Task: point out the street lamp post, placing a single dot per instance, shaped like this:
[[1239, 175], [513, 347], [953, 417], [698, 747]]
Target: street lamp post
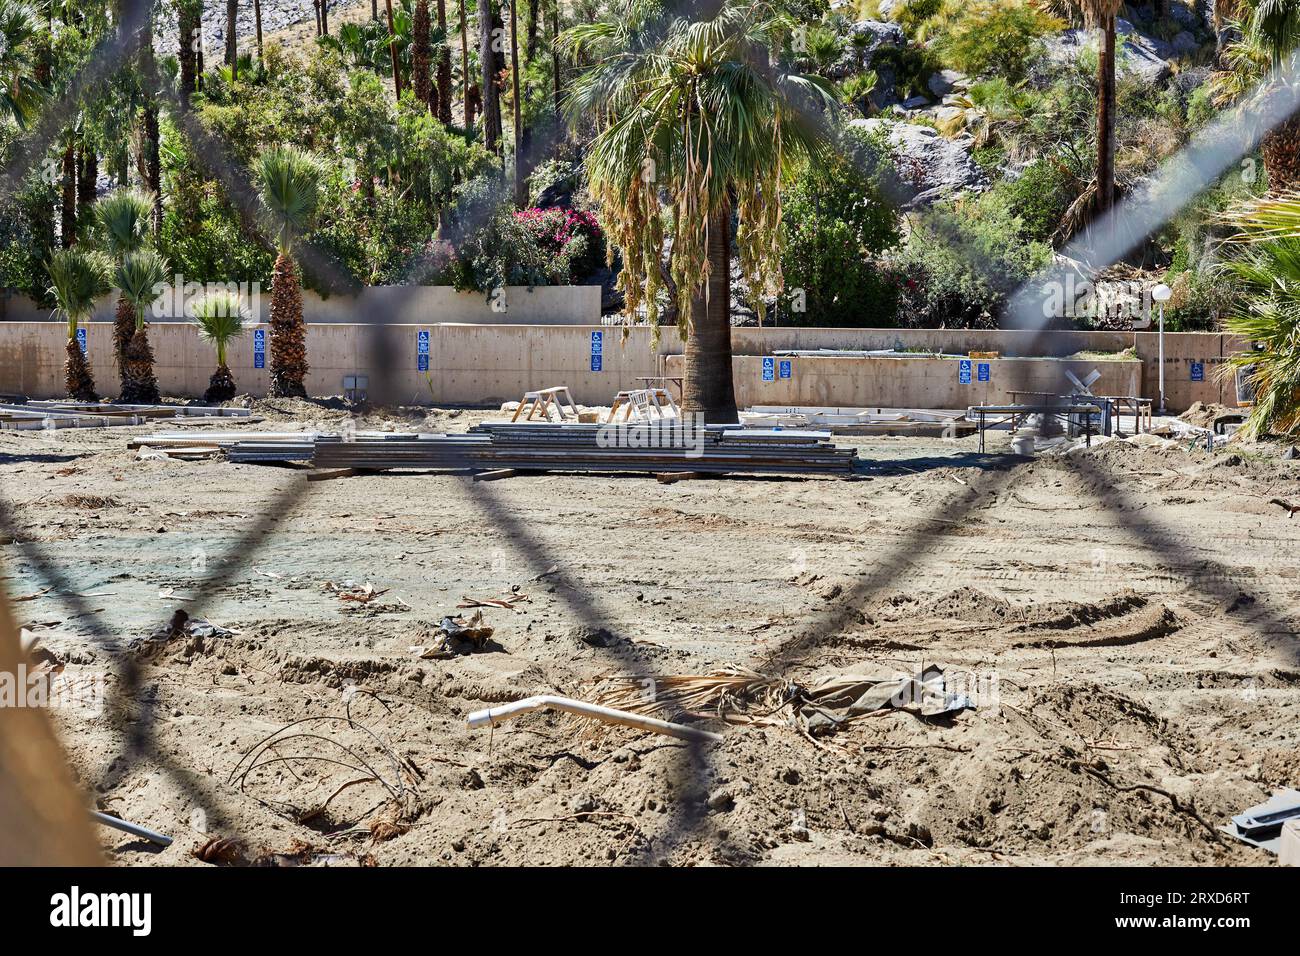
[[1162, 294]]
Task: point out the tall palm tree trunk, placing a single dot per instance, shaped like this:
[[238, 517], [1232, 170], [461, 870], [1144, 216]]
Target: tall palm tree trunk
[[392, 48], [1281, 149], [421, 54], [444, 67], [708, 389], [555, 52], [152, 147], [232, 45], [1106, 118], [488, 62], [257, 25], [521, 190], [87, 178], [466, 101], [188, 23], [68, 225], [288, 334]]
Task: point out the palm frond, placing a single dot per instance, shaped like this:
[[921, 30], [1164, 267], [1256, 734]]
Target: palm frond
[[139, 277], [289, 186], [78, 276], [123, 219], [220, 317]]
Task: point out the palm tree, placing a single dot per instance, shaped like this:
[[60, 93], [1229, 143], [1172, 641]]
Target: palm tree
[[444, 67], [488, 58], [1102, 14], [421, 55], [466, 102], [289, 184], [138, 276], [1270, 34], [521, 188], [78, 276], [20, 92], [1268, 269], [695, 111], [123, 221], [220, 318], [392, 48], [232, 43]]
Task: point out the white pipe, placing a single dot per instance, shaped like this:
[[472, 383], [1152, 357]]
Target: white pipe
[[1162, 358], [609, 715], [132, 828]]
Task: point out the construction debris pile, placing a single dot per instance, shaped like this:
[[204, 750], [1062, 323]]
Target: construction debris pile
[[659, 447]]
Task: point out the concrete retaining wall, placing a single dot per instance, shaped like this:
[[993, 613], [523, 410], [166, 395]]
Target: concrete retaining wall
[[409, 305], [919, 382], [484, 364]]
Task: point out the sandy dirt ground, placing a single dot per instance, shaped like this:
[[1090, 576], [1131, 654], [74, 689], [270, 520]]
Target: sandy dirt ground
[[1130, 611]]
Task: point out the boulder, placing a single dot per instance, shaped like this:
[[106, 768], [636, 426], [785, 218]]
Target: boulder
[[1136, 54], [929, 167], [1184, 43], [946, 81]]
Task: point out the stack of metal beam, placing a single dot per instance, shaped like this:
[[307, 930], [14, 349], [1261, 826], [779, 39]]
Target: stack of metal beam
[[656, 447]]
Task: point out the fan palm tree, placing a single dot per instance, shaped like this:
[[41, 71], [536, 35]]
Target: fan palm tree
[[1268, 270], [422, 56], [1101, 14], [289, 186], [78, 276], [694, 111], [138, 276], [489, 58], [220, 318], [1270, 34], [123, 221], [20, 92]]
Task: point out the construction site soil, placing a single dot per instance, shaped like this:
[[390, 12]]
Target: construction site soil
[[1126, 614]]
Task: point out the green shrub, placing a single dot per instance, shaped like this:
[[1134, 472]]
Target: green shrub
[[1040, 198], [999, 37], [837, 222]]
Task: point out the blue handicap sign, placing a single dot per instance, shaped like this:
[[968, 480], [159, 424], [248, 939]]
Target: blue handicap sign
[[259, 348], [259, 360], [769, 369], [422, 342], [422, 363], [963, 372], [597, 351], [983, 370], [1198, 371], [785, 368], [81, 340]]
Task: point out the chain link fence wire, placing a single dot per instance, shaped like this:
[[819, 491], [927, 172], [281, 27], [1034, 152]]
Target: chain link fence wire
[[1209, 155]]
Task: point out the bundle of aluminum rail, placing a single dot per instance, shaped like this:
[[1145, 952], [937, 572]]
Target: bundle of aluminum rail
[[654, 447]]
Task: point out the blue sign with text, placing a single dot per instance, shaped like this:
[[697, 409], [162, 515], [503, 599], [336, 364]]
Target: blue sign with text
[[597, 351], [1198, 371], [769, 369], [81, 340], [785, 368], [259, 348], [963, 372], [983, 371], [422, 350]]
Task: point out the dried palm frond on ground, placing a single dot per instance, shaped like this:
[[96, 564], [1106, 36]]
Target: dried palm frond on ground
[[734, 694]]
